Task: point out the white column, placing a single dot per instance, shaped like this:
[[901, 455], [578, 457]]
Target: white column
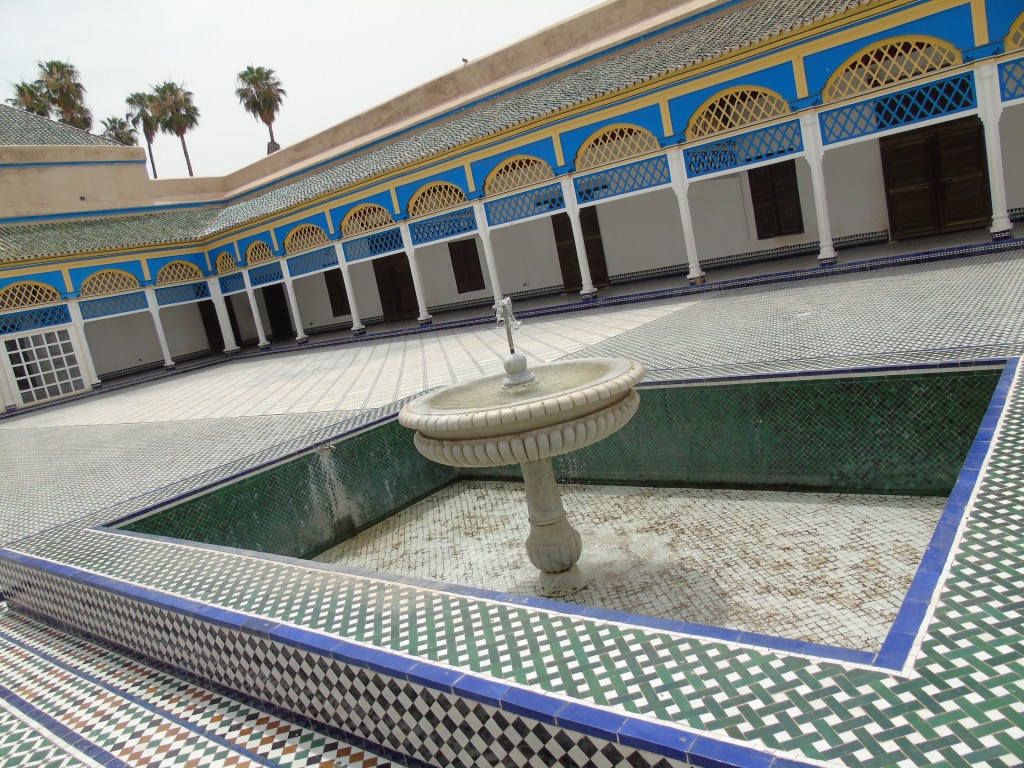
[[7, 385], [220, 304], [814, 151], [300, 336], [990, 110], [154, 311], [79, 322], [417, 283], [260, 333], [485, 239], [681, 188], [573, 209], [358, 329]]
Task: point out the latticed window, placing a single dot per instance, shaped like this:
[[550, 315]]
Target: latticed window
[[304, 237], [1015, 39], [365, 218], [225, 263], [613, 145], [26, 295], [889, 63], [258, 252], [516, 173], [178, 272], [734, 109], [108, 281], [436, 197]]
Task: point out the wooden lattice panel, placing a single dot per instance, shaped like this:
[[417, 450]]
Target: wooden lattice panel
[[436, 197], [258, 252], [304, 237], [27, 295], [736, 108], [178, 272], [1015, 39], [888, 63], [613, 145], [516, 173], [226, 263], [365, 218], [108, 281]]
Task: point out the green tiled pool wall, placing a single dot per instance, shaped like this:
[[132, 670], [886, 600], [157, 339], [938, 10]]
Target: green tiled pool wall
[[895, 434], [889, 434], [301, 507]]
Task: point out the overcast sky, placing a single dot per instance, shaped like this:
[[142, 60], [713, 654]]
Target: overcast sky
[[335, 59]]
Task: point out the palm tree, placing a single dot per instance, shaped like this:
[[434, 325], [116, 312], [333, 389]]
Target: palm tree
[[120, 130], [176, 113], [260, 92], [65, 92], [31, 97], [142, 114]]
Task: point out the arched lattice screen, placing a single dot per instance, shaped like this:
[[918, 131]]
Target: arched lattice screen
[[1015, 39], [436, 197], [887, 63], [225, 263], [614, 144], [26, 295], [517, 172], [178, 272], [735, 108], [108, 281], [304, 237], [365, 218], [258, 252]]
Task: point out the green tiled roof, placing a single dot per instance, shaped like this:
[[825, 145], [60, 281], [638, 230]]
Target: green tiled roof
[[20, 128], [701, 40], [26, 241]]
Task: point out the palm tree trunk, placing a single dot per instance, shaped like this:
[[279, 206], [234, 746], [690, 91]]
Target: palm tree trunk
[[149, 146], [185, 150], [273, 146]]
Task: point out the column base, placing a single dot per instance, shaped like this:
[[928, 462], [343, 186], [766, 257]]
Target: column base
[[263, 346], [360, 331], [10, 408], [303, 340], [563, 583], [169, 366], [695, 279], [592, 296], [428, 321], [1005, 234], [228, 352]]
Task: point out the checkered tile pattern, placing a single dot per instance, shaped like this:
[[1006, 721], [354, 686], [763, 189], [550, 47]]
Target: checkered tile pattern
[[22, 745]]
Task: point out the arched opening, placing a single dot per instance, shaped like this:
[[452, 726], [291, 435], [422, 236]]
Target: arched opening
[[735, 108], [516, 173], [438, 196], [889, 62]]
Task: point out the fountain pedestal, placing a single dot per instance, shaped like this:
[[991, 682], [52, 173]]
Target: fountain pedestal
[[488, 423]]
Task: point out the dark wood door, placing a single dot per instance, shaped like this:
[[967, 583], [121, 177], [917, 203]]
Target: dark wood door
[[395, 286], [775, 195], [565, 244], [276, 302], [936, 179], [214, 337]]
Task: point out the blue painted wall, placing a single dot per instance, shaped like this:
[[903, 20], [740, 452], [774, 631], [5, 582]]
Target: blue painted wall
[[645, 117], [383, 199], [316, 219], [456, 176], [79, 274], [54, 279], [245, 242], [543, 150]]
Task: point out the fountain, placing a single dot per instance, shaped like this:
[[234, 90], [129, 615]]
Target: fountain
[[527, 417]]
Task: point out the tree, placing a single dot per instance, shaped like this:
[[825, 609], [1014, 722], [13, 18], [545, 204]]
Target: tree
[[31, 97], [260, 92], [142, 114], [65, 93], [176, 113], [120, 130]]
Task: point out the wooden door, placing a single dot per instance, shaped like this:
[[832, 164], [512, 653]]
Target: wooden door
[[565, 244], [211, 325], [775, 195], [936, 179], [395, 286], [594, 246], [280, 318]]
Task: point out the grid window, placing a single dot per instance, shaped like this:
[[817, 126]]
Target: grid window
[[45, 366]]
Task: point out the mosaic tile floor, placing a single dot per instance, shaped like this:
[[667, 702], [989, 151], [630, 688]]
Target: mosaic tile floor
[[825, 568], [958, 702]]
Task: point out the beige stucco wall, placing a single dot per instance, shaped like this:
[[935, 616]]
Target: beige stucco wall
[[73, 187]]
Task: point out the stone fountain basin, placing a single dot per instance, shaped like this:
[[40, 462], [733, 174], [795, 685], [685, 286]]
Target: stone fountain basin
[[571, 404]]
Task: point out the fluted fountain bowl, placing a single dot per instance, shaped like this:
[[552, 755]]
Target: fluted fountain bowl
[[570, 405]]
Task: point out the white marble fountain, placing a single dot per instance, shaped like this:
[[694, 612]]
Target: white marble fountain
[[527, 417]]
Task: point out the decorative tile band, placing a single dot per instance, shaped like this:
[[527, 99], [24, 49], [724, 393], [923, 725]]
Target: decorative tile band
[[179, 294], [744, 149], [30, 319], [1011, 78], [536, 202], [314, 261], [440, 227], [377, 244], [906, 107], [113, 305], [265, 275], [631, 177], [232, 283]]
